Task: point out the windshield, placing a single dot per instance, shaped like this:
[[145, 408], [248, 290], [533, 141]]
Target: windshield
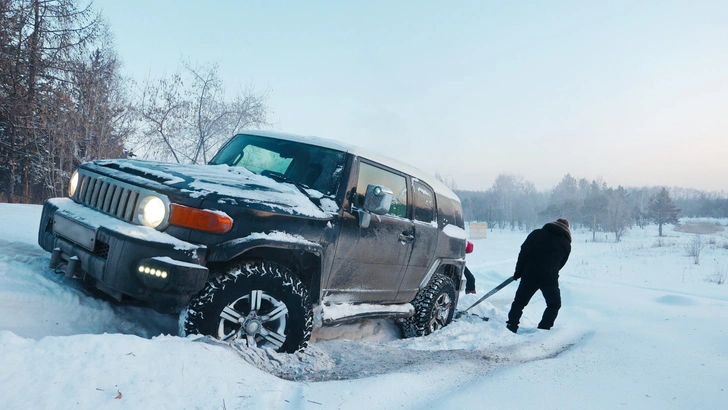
[[309, 165]]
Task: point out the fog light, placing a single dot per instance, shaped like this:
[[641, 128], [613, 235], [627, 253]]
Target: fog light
[[147, 270]]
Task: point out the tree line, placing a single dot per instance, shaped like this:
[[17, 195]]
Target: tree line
[[64, 101], [514, 203]]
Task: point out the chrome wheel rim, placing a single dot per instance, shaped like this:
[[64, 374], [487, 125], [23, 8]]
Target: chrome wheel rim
[[258, 318], [440, 312]]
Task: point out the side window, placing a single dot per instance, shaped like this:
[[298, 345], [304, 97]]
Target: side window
[[369, 174], [424, 202]]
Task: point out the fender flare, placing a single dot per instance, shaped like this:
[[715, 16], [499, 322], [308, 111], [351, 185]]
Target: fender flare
[[230, 250]]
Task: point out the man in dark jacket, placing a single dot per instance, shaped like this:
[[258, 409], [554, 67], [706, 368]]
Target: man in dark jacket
[[543, 254]]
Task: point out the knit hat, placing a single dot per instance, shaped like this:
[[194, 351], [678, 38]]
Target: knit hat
[[563, 221]]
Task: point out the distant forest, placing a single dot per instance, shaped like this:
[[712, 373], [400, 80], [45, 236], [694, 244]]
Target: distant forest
[[63, 101], [514, 203]]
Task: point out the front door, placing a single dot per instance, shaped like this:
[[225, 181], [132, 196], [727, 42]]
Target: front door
[[369, 262]]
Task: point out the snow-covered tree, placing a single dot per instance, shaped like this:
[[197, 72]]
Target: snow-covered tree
[[619, 216], [595, 205]]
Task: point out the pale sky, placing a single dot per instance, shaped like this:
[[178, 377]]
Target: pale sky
[[634, 92]]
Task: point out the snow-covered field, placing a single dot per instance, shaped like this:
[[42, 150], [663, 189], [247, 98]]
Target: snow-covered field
[[642, 326]]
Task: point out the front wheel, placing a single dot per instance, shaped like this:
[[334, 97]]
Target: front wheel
[[434, 307], [261, 303]]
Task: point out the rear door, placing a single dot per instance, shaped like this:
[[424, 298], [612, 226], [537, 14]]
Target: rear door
[[424, 214]]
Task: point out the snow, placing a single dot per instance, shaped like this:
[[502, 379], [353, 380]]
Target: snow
[[274, 236], [235, 182], [174, 262], [340, 310], [454, 232], [642, 326]]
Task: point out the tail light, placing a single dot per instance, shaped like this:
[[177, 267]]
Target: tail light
[[469, 247]]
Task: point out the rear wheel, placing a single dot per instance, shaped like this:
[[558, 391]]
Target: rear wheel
[[261, 303], [434, 307]]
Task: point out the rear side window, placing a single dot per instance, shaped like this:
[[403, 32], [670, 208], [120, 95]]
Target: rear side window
[[369, 174], [424, 202]]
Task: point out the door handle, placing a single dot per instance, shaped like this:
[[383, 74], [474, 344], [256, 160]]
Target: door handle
[[406, 237]]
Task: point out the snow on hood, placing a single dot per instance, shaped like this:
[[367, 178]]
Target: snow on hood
[[235, 182]]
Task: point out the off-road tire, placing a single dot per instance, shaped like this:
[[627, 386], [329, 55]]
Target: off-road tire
[[250, 296], [434, 307]]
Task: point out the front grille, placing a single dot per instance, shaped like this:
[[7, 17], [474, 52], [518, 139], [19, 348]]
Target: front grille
[[108, 196]]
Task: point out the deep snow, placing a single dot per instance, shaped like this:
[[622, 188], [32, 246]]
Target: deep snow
[[642, 327]]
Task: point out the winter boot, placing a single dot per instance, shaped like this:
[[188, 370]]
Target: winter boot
[[512, 328]]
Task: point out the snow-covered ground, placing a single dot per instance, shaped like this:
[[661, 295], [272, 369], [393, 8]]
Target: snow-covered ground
[[642, 326]]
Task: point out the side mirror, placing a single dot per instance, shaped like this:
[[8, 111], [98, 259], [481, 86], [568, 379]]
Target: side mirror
[[377, 201]]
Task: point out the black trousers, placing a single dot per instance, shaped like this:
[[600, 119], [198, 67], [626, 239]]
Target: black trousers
[[469, 281], [526, 290]]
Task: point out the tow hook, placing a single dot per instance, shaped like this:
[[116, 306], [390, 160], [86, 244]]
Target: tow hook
[[55, 258], [71, 267]]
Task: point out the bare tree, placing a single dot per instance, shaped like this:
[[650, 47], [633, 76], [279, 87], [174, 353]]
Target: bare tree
[[186, 117], [449, 182], [693, 248], [162, 110]]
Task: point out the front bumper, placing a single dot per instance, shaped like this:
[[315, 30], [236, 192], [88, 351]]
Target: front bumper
[[122, 259]]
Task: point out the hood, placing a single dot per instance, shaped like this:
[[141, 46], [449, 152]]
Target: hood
[[557, 228], [221, 182]]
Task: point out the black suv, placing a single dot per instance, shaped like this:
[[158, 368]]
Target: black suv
[[277, 234]]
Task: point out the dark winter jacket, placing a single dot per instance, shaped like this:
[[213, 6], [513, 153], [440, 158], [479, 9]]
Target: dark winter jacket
[[543, 253]]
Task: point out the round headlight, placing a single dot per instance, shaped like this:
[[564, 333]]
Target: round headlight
[[152, 211], [73, 183]]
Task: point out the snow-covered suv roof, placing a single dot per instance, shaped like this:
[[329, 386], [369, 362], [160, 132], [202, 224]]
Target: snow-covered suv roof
[[439, 187]]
